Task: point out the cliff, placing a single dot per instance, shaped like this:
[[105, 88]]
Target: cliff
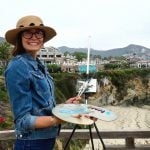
[[133, 92]]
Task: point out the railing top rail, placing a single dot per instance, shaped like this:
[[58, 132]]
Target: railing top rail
[[117, 134]]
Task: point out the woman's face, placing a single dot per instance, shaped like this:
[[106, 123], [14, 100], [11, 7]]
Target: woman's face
[[32, 40]]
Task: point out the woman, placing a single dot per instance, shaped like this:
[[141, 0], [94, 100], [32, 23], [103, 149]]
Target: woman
[[30, 87]]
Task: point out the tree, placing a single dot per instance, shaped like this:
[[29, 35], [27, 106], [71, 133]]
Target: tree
[[80, 55], [94, 57], [66, 53], [54, 68], [5, 52]]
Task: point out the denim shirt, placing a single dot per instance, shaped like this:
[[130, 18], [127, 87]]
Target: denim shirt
[[31, 93]]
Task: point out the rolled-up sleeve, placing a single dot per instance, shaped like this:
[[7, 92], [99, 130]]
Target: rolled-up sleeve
[[17, 79]]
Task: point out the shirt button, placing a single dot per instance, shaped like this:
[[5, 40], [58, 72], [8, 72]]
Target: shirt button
[[20, 135]]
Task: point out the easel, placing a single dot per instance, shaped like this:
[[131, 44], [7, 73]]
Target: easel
[[83, 90], [91, 137], [90, 132]]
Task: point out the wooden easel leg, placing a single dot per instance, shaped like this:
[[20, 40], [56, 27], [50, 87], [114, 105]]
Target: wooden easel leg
[[104, 148], [70, 137], [91, 137]]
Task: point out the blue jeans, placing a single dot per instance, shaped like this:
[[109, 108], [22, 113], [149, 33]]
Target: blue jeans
[[40, 144]]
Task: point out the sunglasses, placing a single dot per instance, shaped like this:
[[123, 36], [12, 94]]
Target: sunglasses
[[39, 34]]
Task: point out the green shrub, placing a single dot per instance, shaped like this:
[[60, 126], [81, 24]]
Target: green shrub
[[54, 68]]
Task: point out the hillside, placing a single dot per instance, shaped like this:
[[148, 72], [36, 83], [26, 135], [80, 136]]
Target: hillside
[[130, 49]]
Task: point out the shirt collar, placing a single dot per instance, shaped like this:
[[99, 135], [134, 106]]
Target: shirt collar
[[31, 60]]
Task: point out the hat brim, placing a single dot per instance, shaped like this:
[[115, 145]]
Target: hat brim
[[11, 35]]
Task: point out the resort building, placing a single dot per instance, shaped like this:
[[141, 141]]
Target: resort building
[[50, 55]]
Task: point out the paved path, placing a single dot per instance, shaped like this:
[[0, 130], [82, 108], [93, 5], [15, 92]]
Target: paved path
[[129, 118]]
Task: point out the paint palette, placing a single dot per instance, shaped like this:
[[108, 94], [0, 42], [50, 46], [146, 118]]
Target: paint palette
[[67, 111], [101, 113]]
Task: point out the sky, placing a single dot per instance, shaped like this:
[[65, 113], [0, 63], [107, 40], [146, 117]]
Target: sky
[[99, 24]]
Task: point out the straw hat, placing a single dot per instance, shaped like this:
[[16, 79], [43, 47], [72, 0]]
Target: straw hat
[[29, 22]]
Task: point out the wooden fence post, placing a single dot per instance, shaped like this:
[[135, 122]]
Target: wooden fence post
[[130, 142]]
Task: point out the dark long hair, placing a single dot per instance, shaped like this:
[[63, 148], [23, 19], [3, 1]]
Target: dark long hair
[[18, 49]]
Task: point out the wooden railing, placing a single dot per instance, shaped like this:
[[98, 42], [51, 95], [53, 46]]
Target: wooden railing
[[128, 136]]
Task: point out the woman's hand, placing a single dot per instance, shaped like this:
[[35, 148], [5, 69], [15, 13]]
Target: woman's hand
[[74, 100], [85, 115]]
